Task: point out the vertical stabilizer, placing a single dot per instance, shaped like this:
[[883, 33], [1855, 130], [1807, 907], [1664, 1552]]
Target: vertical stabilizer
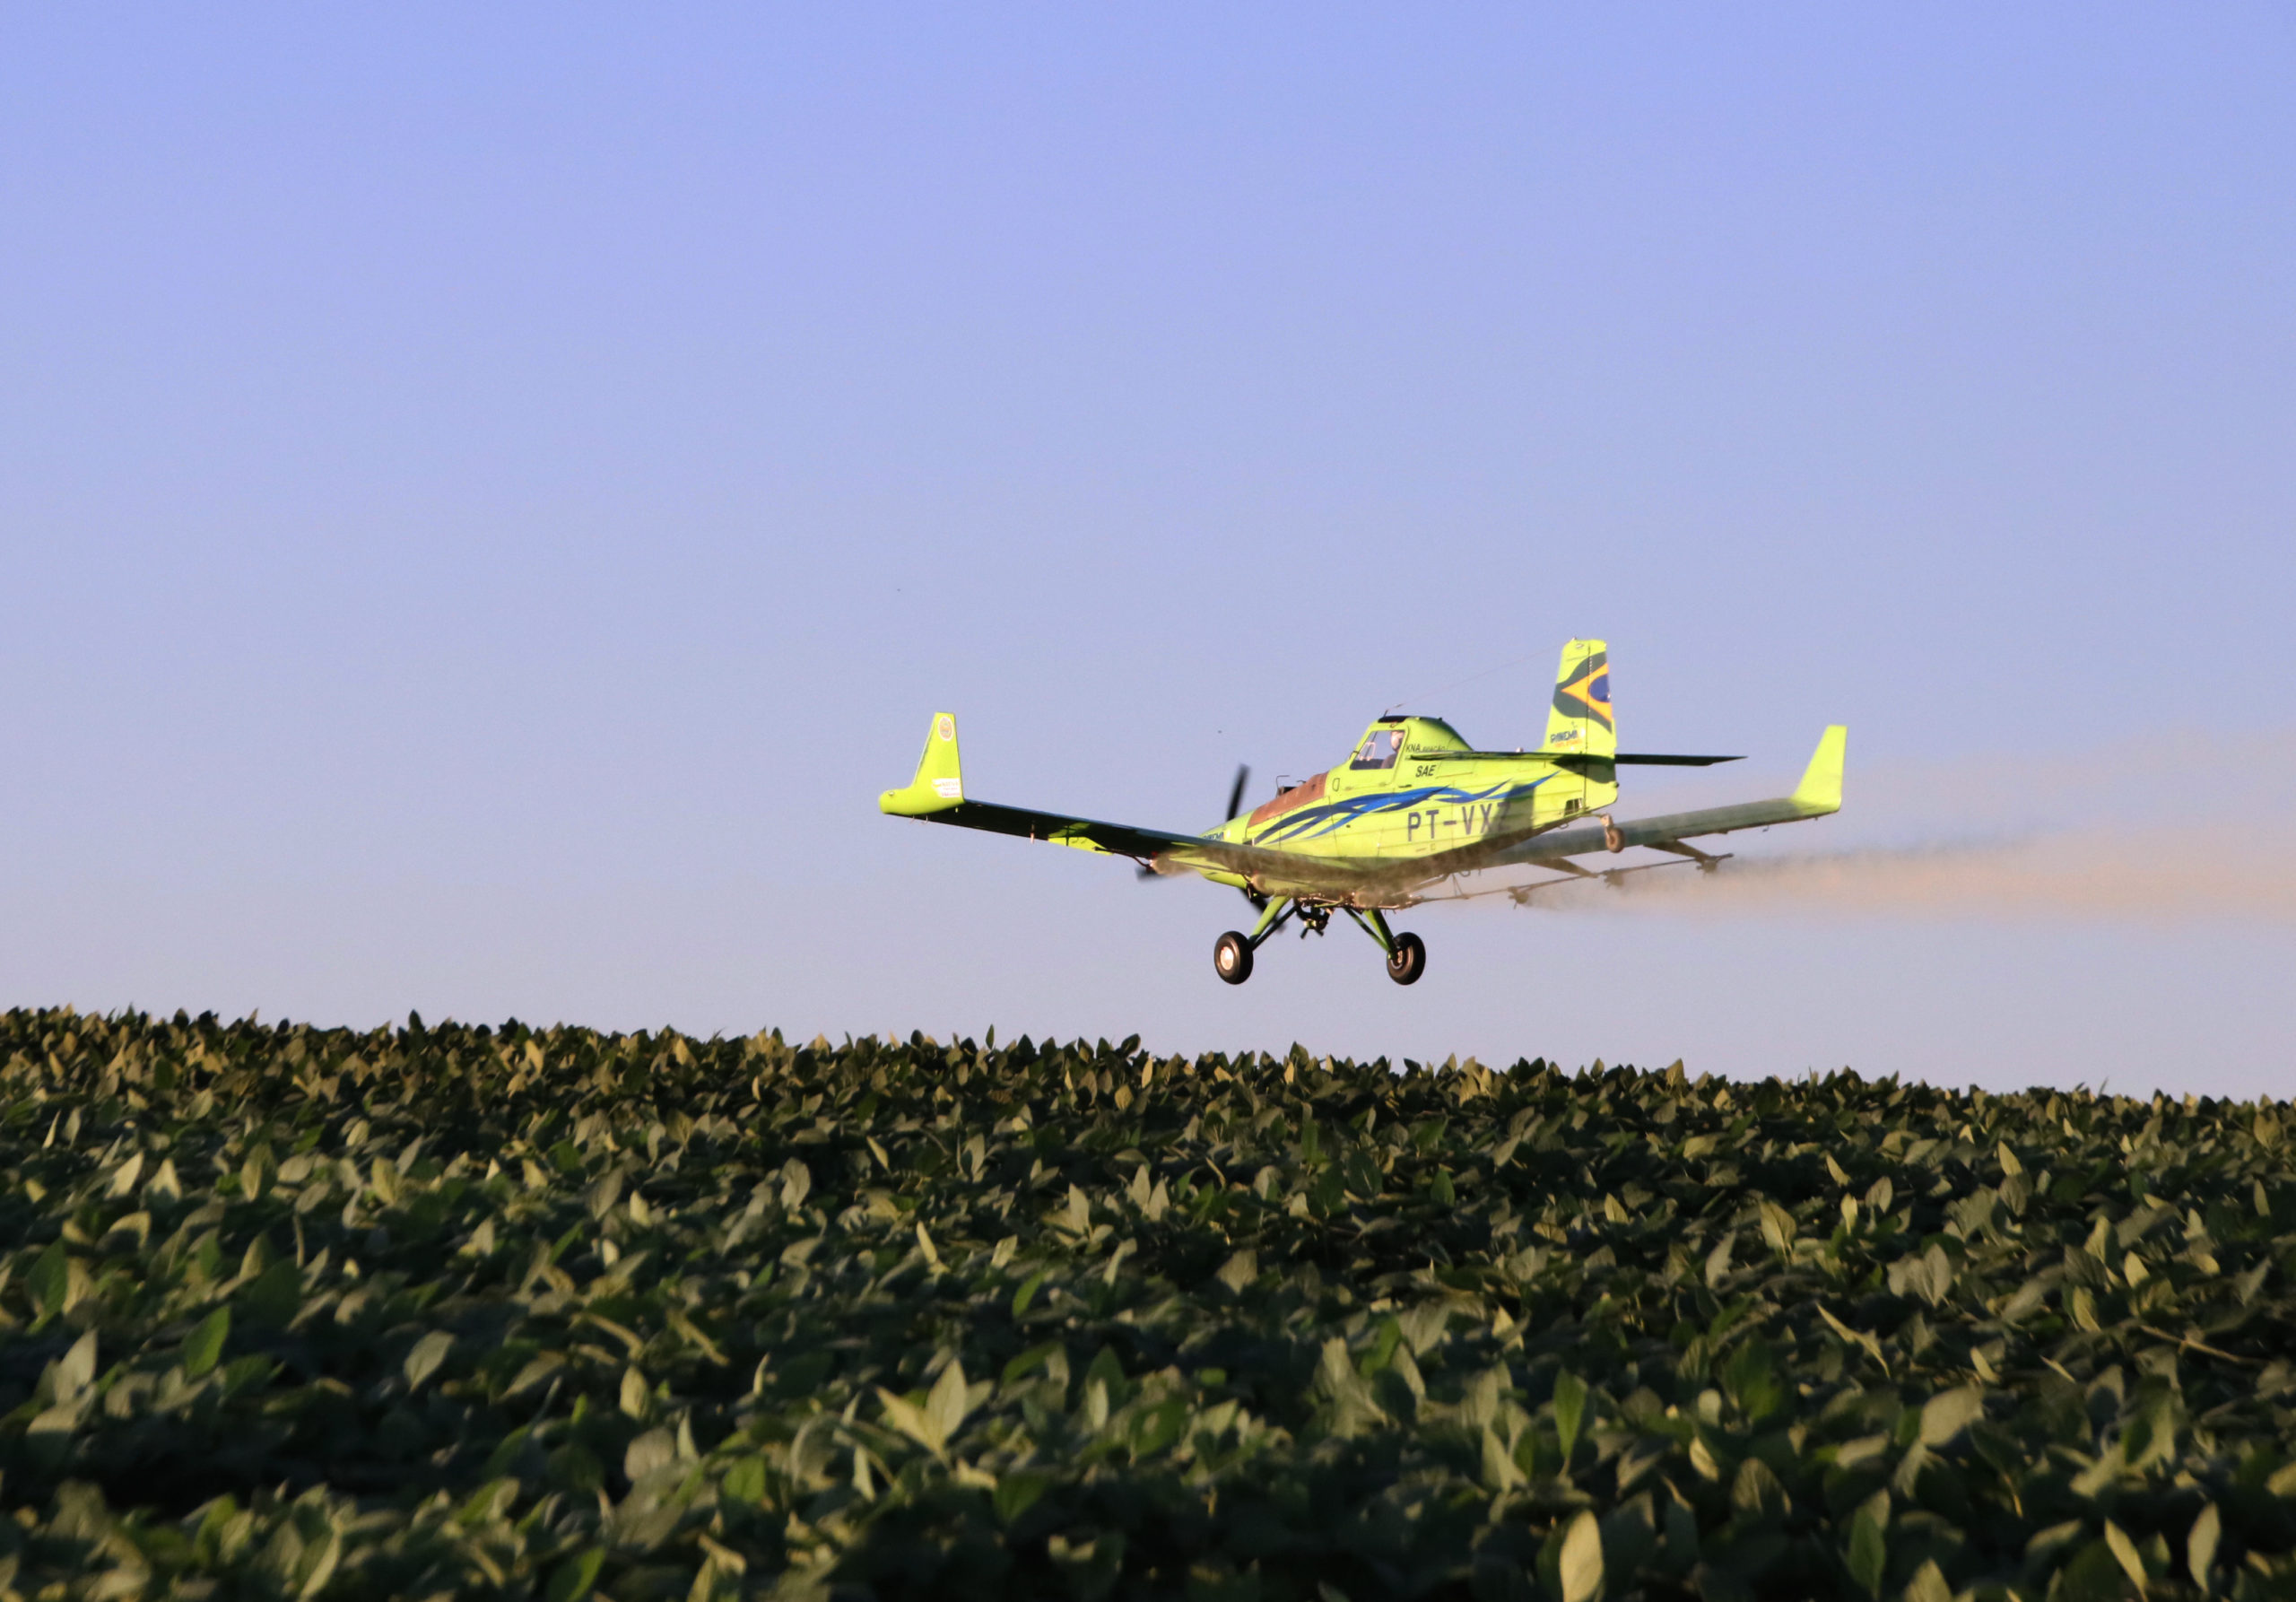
[[1581, 721]]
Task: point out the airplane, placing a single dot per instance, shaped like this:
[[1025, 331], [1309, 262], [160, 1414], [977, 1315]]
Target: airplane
[[1412, 807]]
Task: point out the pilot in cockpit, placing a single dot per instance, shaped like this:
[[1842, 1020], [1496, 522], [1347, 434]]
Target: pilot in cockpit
[[1380, 749]]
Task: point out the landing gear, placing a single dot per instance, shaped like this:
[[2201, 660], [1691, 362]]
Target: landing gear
[[1231, 953], [1407, 954]]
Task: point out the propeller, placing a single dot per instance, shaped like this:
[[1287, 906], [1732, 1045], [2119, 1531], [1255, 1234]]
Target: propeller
[[1235, 805]]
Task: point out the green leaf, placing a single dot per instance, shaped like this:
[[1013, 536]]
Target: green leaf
[[2200, 1544], [1017, 1492], [797, 1184], [1238, 1272], [1869, 1553], [50, 1278], [945, 1408], [1570, 1410], [2125, 1552], [319, 1562], [1751, 1377], [635, 1399], [1950, 1412], [1929, 1584], [1777, 1227], [1869, 1344], [1630, 1537], [1109, 1371], [910, 1420], [205, 1345], [2028, 1299], [1757, 1491], [1027, 1293], [1582, 1560], [1030, 1361], [76, 1371], [255, 1173], [274, 1297], [2093, 1575], [428, 1353], [745, 1480], [572, 1579], [655, 1449], [1499, 1472], [246, 1373]]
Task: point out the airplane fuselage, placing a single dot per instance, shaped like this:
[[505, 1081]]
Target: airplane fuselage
[[1413, 788]]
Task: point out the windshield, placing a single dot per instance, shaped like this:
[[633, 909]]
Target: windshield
[[1378, 749]]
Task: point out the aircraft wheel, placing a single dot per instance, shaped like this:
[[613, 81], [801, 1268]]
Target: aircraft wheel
[[1232, 958], [1408, 961]]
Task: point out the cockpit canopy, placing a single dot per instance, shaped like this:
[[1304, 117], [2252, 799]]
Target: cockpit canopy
[[1379, 748], [1387, 741]]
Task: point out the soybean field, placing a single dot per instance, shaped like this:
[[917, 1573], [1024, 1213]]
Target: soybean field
[[295, 1312]]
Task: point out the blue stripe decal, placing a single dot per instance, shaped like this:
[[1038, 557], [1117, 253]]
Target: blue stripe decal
[[1311, 822]]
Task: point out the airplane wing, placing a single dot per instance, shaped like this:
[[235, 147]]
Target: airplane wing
[[1086, 834], [937, 796], [1818, 794]]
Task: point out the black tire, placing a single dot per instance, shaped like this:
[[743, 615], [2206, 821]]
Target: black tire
[[1232, 958], [1408, 960]]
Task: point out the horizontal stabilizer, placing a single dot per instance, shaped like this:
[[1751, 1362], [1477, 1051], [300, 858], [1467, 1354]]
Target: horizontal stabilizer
[[1600, 767]]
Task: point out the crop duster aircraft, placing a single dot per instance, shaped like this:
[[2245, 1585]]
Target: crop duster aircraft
[[1412, 807]]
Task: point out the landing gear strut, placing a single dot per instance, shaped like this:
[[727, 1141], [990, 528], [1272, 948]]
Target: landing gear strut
[[1231, 953], [1407, 954]]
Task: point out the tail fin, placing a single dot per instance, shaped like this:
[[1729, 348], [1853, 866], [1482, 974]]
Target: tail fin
[[938, 785], [1581, 720]]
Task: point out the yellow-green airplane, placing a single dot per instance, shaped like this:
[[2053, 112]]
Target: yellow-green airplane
[[1415, 805]]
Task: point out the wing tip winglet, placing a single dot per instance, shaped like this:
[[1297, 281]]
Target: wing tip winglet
[[1821, 787], [939, 784]]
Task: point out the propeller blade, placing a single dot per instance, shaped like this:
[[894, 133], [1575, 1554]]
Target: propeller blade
[[1236, 802]]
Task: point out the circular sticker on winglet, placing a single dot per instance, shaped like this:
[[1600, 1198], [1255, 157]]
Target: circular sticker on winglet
[[946, 727]]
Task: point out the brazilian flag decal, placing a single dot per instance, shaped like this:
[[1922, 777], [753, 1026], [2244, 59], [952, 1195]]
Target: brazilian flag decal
[[1586, 693]]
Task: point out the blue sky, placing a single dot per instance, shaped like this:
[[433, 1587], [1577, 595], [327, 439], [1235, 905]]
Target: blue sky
[[489, 499]]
